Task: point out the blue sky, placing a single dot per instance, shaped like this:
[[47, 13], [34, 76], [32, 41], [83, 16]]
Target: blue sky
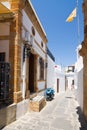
[[62, 36]]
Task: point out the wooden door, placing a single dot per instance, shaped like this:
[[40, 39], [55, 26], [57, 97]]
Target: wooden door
[[57, 85]]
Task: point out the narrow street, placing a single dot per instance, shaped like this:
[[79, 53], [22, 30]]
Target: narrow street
[[62, 113], [43, 44]]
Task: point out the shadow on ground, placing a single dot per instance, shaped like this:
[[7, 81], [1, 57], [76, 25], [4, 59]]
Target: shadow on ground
[[81, 119], [69, 97]]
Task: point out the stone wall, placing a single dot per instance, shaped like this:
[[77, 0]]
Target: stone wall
[[16, 33], [83, 52]]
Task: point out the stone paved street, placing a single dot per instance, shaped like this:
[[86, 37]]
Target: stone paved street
[[62, 113]]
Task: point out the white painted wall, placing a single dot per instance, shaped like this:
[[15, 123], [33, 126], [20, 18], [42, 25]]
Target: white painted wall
[[59, 74], [79, 80], [70, 78], [80, 88], [61, 82], [41, 85], [28, 25], [50, 72], [40, 51]]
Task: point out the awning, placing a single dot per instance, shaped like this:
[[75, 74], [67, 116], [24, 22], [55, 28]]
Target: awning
[[4, 9]]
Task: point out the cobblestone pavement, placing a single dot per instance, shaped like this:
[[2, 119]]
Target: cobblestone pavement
[[62, 113]]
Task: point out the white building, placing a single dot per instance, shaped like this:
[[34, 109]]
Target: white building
[[79, 78], [69, 77], [50, 69], [59, 79], [55, 74]]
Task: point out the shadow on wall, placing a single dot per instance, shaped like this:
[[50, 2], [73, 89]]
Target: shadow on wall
[[3, 116], [7, 115], [81, 119]]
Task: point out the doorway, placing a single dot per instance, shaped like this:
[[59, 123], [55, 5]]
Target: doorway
[[66, 83], [57, 85], [4, 81], [2, 56], [31, 73]]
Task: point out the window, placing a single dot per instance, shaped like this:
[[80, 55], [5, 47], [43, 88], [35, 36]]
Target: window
[[41, 69]]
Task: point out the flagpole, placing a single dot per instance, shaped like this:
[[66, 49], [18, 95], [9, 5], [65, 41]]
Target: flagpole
[[78, 27]]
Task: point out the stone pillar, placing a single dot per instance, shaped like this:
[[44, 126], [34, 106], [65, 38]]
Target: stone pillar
[[16, 63], [11, 57]]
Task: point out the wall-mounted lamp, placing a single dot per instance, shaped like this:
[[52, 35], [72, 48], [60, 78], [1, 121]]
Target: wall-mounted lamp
[[26, 51]]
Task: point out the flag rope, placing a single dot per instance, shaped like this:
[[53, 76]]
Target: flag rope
[[78, 27]]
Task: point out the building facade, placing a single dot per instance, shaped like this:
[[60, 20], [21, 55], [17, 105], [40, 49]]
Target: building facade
[[69, 77], [83, 52], [23, 44], [59, 79], [50, 69], [55, 74], [79, 78]]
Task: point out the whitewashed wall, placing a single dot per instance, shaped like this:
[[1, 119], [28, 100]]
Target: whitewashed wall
[[70, 78], [79, 80], [59, 74], [38, 50], [28, 25], [41, 85], [80, 88], [50, 72], [61, 82]]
